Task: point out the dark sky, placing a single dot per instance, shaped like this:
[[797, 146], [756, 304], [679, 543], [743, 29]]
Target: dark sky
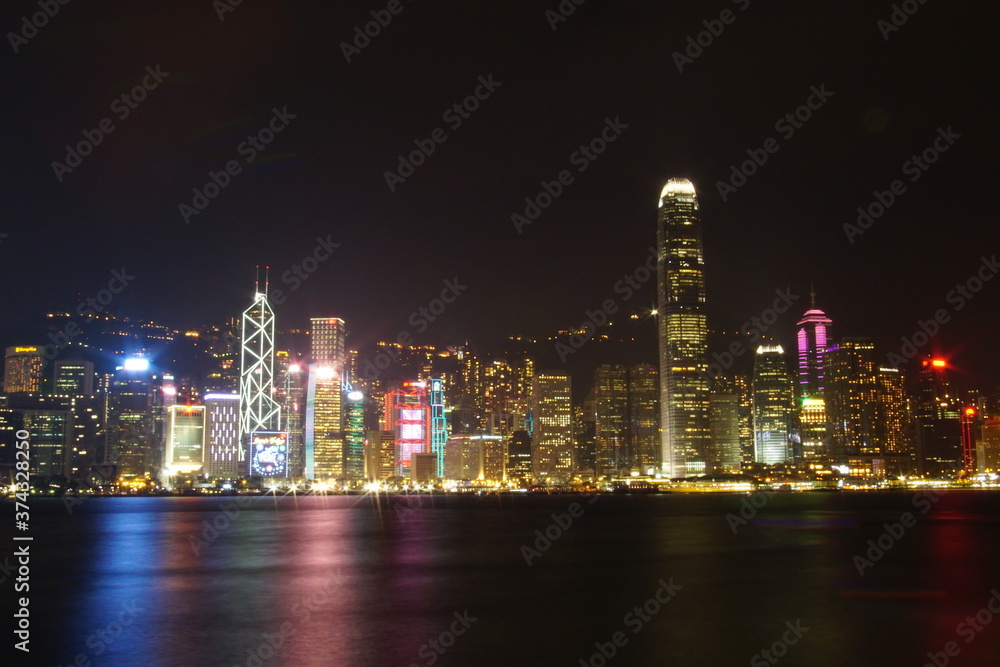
[[323, 175]]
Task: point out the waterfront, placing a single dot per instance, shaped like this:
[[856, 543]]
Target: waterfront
[[347, 580]]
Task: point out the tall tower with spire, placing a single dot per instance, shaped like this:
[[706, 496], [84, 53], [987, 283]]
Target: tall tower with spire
[[258, 409], [813, 341], [685, 436]]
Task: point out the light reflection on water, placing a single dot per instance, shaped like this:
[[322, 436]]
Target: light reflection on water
[[341, 581]]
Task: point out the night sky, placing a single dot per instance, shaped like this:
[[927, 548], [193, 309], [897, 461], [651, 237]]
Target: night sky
[[323, 175]]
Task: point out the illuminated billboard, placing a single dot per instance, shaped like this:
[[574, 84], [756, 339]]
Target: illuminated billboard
[[269, 453]]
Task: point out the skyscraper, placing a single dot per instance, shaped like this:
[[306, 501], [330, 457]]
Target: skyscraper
[[682, 332], [772, 405], [73, 377], [324, 427], [813, 340], [258, 409], [614, 446], [644, 416], [552, 443], [23, 369], [222, 419]]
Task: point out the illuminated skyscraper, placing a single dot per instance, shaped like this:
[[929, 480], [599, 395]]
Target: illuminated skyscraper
[[772, 405], [644, 416], [73, 377], [813, 340], [552, 443], [324, 426], [292, 384], [439, 425], [222, 438], [354, 436], [852, 402], [258, 409], [407, 415], [683, 332], [726, 430], [23, 369], [129, 418], [614, 449], [185, 439], [937, 411]]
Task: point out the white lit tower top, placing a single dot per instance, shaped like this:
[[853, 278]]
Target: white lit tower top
[[258, 409]]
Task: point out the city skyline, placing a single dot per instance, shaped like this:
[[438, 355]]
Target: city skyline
[[316, 196]]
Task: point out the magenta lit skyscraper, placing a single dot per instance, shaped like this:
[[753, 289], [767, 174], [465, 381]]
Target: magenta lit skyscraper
[[813, 341], [813, 338]]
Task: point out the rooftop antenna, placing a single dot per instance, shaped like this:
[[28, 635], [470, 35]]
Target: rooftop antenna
[[256, 280], [812, 294], [267, 281]]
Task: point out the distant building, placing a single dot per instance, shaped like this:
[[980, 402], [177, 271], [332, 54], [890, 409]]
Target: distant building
[[222, 448], [519, 467], [185, 453], [23, 369], [380, 455], [552, 445], [73, 377], [772, 405]]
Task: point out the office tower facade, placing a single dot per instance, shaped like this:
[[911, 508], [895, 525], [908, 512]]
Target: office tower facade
[[354, 437], [615, 453], [725, 412], [407, 415], [519, 469], [129, 415], [23, 369], [988, 446], [73, 377], [292, 381], [937, 413], [644, 416], [682, 333], [969, 424], [893, 421], [222, 439], [552, 443], [380, 455], [324, 424], [585, 438], [439, 424], [185, 440], [813, 339], [772, 405], [258, 409]]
